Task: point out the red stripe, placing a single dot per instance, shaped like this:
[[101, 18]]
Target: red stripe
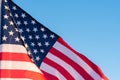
[[78, 68], [49, 76], [21, 74], [91, 64], [59, 68], [10, 56], [14, 56]]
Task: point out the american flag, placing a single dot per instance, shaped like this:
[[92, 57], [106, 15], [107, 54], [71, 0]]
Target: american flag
[[27, 47]]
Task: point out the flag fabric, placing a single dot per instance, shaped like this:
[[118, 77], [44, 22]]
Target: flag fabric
[[48, 51], [15, 64]]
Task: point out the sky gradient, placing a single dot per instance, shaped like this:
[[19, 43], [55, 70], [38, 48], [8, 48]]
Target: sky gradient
[[91, 27]]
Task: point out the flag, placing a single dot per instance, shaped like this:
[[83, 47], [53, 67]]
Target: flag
[[51, 54], [15, 64]]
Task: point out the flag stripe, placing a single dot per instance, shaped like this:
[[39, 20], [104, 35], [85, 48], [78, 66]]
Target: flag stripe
[[18, 65], [49, 76], [14, 56], [85, 59], [11, 59], [12, 48], [78, 68], [14, 79], [51, 70], [60, 47], [66, 74], [91, 64], [20, 74], [66, 66]]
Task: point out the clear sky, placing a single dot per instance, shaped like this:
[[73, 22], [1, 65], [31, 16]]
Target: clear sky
[[91, 27]]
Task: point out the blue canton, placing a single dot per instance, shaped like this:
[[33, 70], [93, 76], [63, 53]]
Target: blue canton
[[20, 28], [9, 31]]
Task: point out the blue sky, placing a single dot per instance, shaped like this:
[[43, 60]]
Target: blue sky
[[91, 27]]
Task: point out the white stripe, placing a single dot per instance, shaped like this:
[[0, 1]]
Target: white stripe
[[76, 59], [45, 67], [18, 65], [66, 66], [12, 48], [14, 79]]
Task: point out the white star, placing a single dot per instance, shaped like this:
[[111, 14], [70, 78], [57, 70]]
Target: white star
[[23, 15], [5, 0], [35, 29], [45, 36], [52, 36], [11, 33], [17, 39], [6, 7], [37, 58], [23, 38], [18, 23], [39, 44], [35, 51], [10, 14], [29, 53], [30, 37], [32, 44], [20, 30], [42, 50], [28, 30], [4, 38], [6, 16], [25, 22], [42, 29], [33, 22], [16, 15], [37, 37], [16, 29], [11, 23], [14, 8], [26, 45], [5, 27], [47, 44]]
